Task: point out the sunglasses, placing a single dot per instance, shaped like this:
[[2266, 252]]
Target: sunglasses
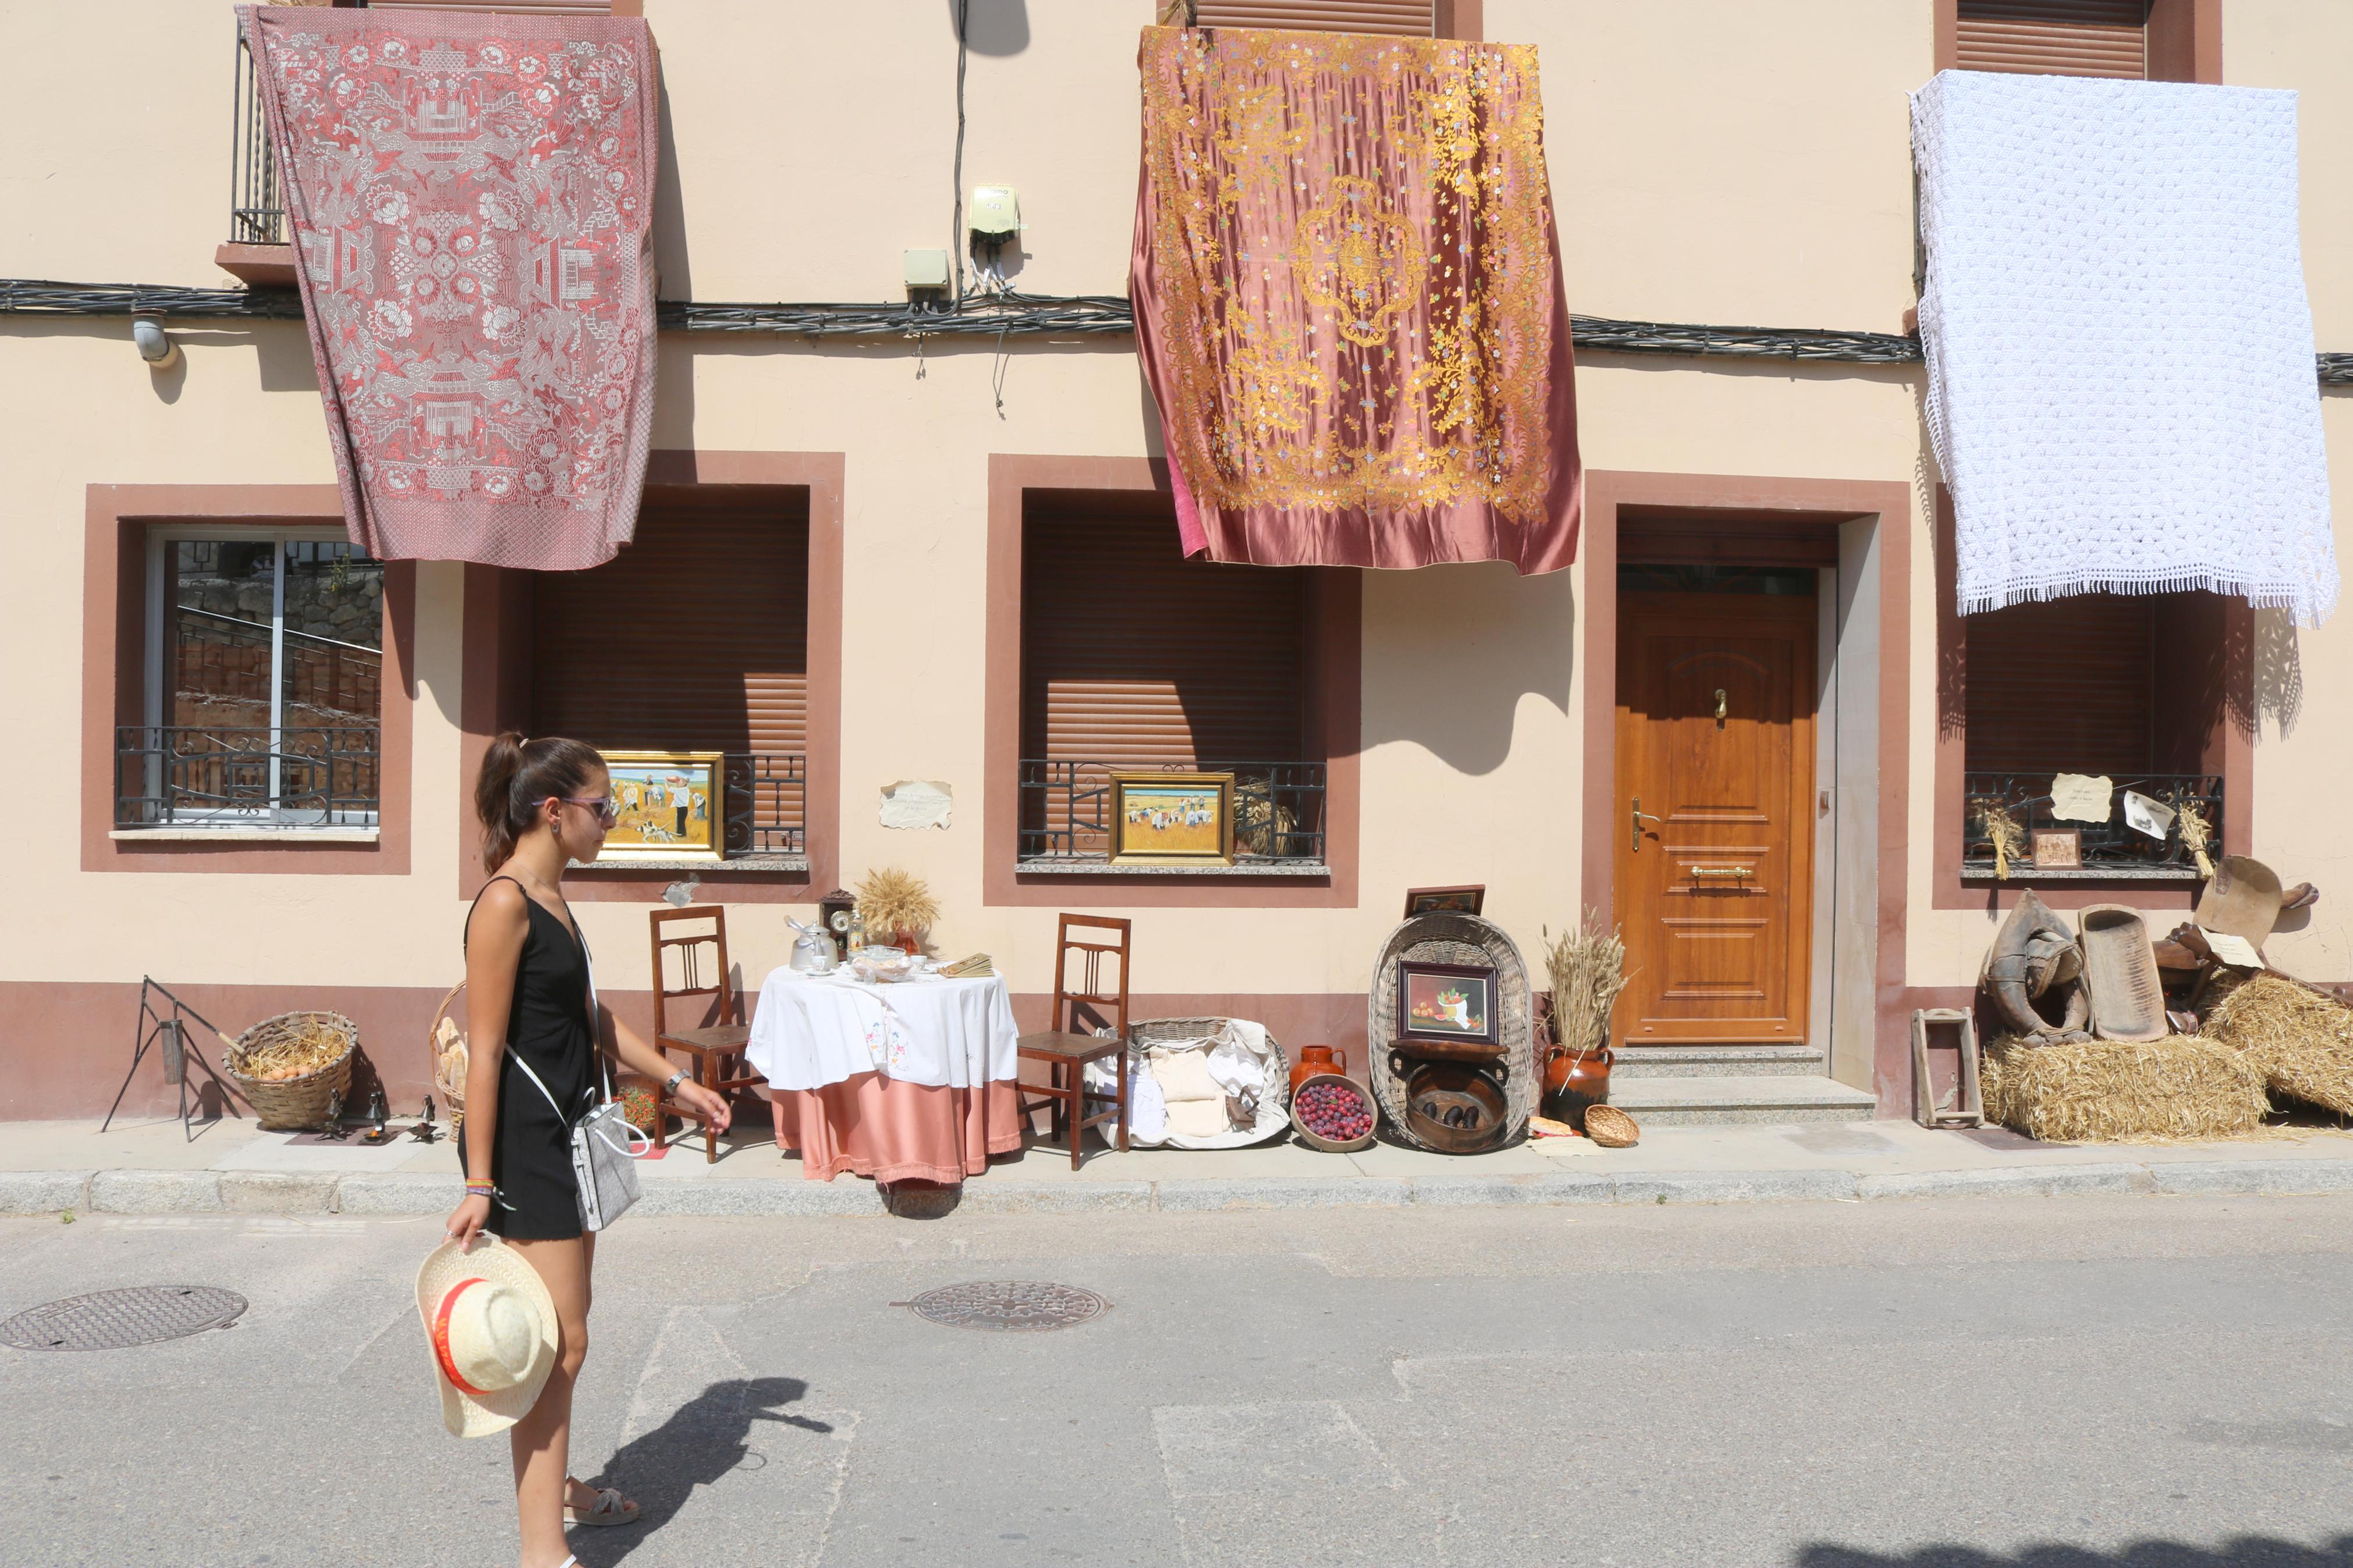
[[607, 814]]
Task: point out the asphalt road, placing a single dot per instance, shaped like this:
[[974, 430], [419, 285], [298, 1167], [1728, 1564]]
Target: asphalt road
[[2083, 1382]]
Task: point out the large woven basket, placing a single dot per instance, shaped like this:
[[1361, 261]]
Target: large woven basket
[[292, 1104], [449, 1072], [1450, 938]]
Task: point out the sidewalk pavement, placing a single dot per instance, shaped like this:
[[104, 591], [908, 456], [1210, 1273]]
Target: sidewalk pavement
[[149, 1167]]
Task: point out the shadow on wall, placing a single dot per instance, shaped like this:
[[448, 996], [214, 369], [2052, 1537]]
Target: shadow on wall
[[2244, 1552], [992, 27], [2279, 671], [1450, 651]]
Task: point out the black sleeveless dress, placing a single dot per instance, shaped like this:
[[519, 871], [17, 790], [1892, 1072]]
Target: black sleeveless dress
[[547, 1027]]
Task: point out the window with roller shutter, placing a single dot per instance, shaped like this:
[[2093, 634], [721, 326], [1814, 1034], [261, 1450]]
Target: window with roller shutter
[[694, 639], [2053, 37], [1406, 18], [1134, 657]]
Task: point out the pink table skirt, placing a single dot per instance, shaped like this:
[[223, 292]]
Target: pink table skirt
[[897, 1132]]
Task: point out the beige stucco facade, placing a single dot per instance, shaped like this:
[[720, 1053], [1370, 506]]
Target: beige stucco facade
[[1712, 161]]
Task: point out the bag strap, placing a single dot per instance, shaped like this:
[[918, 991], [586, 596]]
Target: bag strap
[[516, 1056]]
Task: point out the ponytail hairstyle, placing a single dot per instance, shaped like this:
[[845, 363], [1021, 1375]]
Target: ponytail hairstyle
[[517, 775]]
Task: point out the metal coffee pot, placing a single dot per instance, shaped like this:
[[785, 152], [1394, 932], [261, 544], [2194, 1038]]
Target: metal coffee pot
[[813, 952]]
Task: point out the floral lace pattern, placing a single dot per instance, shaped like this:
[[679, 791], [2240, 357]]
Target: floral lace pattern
[[470, 199], [1348, 299]]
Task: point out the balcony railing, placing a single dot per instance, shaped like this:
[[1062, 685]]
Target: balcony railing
[[1278, 811], [2114, 846], [256, 203], [186, 776], [768, 799]]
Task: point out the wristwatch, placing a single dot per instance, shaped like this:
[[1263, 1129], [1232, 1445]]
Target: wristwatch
[[669, 1085]]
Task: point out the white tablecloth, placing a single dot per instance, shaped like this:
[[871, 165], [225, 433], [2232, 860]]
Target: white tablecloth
[[813, 1030]]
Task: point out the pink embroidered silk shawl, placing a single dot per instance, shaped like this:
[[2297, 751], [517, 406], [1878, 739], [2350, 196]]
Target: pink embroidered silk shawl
[[1348, 301], [470, 197]]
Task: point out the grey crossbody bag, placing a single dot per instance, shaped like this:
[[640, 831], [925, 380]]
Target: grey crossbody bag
[[604, 1144]]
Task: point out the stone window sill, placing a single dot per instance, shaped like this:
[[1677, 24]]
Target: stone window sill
[[711, 870], [1290, 868], [286, 837], [2145, 876]]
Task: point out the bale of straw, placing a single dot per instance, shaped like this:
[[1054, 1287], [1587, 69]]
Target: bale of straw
[[2299, 1041], [2106, 1091]]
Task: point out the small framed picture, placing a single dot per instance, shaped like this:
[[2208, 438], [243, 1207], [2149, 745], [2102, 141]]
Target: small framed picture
[[1172, 819], [1446, 1002], [2058, 848], [671, 806], [1444, 900]]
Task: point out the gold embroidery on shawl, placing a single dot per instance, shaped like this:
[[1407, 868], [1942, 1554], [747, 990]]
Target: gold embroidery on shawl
[[1366, 326]]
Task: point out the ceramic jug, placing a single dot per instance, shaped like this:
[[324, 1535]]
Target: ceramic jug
[[1313, 1059], [1572, 1083]]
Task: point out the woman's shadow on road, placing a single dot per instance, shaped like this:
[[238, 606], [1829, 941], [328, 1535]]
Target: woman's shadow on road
[[702, 1440]]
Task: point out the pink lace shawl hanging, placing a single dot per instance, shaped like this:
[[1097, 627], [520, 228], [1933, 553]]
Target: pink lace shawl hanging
[[1348, 301], [470, 197]]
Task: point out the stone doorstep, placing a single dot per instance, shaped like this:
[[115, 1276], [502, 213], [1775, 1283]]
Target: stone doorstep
[[402, 1193], [1687, 1101], [1715, 1061]]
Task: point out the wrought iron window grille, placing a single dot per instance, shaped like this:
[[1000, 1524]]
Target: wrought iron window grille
[[2111, 845], [1278, 811], [257, 200], [192, 775], [767, 802]]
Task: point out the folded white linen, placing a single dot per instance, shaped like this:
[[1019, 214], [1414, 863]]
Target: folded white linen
[[2121, 387]]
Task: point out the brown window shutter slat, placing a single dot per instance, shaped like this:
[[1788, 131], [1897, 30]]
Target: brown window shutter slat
[[694, 639], [2063, 687], [1403, 19], [2054, 37], [1133, 654]]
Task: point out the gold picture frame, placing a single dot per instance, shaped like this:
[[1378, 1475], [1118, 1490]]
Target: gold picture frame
[[671, 806], [1169, 819]]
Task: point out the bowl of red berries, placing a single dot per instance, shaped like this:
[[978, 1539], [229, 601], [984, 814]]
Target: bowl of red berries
[[1333, 1114]]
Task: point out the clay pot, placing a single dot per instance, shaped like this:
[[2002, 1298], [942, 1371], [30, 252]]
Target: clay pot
[[1571, 1083], [1313, 1059], [909, 942]]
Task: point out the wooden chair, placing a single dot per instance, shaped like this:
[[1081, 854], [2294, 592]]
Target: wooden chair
[[714, 1049], [1071, 1043]]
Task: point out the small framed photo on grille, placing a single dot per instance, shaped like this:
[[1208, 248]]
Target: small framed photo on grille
[[2058, 848]]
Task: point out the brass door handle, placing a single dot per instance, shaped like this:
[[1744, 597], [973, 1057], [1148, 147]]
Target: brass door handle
[[1641, 816], [1721, 871], [1719, 706]]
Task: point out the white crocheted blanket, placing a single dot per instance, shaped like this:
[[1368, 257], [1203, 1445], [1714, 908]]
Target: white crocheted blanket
[[2121, 387]]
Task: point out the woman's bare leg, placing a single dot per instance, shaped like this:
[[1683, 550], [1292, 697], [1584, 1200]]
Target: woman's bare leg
[[542, 1441]]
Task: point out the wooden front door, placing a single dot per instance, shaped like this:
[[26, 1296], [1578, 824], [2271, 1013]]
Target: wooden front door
[[1715, 876]]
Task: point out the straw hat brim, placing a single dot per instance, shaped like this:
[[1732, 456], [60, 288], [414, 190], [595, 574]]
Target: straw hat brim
[[479, 1416]]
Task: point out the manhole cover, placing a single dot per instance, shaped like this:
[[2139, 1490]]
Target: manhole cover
[[1010, 1306], [116, 1320]]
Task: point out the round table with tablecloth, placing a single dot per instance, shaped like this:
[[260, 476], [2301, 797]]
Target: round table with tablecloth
[[907, 1081]]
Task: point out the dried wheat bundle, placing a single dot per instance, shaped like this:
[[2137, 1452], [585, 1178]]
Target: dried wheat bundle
[[2009, 838], [2109, 1091], [2300, 1041], [2197, 833], [891, 900], [1588, 968]]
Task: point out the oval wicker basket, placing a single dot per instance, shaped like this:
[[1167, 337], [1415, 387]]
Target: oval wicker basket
[[1610, 1127], [292, 1104], [449, 1073], [1329, 1145]]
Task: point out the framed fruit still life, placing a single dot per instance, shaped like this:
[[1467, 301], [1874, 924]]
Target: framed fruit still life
[[1446, 1002]]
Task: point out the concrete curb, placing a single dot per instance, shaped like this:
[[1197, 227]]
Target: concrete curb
[[417, 1193]]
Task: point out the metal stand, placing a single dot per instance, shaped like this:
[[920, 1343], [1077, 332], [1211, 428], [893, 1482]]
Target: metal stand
[[1925, 1108], [170, 1035]]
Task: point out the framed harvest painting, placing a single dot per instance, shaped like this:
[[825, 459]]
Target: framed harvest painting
[[1172, 819], [1446, 1002], [671, 806]]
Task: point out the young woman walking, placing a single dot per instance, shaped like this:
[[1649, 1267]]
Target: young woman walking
[[545, 804]]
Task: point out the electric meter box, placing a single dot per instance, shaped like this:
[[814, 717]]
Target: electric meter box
[[994, 211]]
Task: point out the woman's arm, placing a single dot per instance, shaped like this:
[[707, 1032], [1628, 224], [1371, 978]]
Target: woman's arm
[[631, 1051], [494, 941]]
